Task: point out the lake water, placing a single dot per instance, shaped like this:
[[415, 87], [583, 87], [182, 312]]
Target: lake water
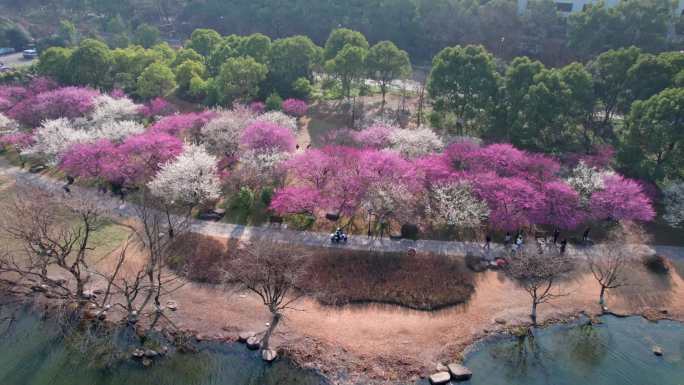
[[617, 352], [35, 353]]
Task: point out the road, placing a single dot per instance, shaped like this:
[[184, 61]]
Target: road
[[15, 60]]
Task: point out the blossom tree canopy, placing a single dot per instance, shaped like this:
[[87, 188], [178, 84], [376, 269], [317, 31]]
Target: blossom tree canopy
[[279, 119], [67, 102], [376, 136], [222, 134], [265, 136], [54, 137], [142, 155], [157, 107], [586, 180], [108, 110], [295, 200], [89, 160], [118, 130], [455, 204], [513, 202], [295, 107], [180, 123], [6, 123], [415, 143], [314, 167], [190, 179], [673, 197], [621, 199], [561, 206]]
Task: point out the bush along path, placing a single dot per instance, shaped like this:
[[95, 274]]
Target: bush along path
[[307, 238]]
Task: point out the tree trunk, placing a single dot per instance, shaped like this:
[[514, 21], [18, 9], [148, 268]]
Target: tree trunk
[[383, 89], [533, 315], [267, 337], [602, 299]]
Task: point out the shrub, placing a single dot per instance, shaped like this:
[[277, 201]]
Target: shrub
[[257, 107], [273, 102], [656, 263], [199, 258], [68, 102], [295, 107], [302, 88]]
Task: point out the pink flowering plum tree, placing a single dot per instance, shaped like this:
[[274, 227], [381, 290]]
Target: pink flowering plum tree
[[296, 200], [141, 156], [513, 202], [67, 102], [621, 199], [265, 136], [257, 107], [183, 124], [295, 107], [560, 207], [11, 96], [89, 160], [315, 167], [376, 136], [157, 107]]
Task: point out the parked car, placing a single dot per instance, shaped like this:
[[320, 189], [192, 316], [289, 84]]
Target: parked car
[[30, 54], [6, 50]]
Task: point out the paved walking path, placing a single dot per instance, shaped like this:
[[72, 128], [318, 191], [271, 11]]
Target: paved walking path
[[304, 238]]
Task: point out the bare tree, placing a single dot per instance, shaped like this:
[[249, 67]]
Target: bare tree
[[54, 231], [271, 271], [538, 274], [608, 268]]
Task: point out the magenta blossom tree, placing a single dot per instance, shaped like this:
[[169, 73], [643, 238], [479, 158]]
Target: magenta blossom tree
[[180, 124], [139, 158], [296, 200], [376, 136], [157, 107], [90, 160], [513, 202], [265, 136], [560, 206], [621, 199], [257, 107], [295, 107], [18, 140], [67, 102]]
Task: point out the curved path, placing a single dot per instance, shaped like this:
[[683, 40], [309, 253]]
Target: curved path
[[302, 238]]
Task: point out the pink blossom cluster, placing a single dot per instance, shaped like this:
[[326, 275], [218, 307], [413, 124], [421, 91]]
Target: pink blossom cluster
[[180, 124], [266, 136], [519, 188], [157, 107], [19, 140], [257, 107], [133, 162], [295, 107], [375, 136], [66, 102]]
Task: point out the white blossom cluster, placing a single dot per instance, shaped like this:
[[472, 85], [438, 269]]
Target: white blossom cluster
[[454, 204], [222, 134], [389, 199], [586, 180], [108, 109], [54, 137], [191, 179], [6, 124], [262, 162], [673, 198], [415, 143], [279, 119], [117, 130]]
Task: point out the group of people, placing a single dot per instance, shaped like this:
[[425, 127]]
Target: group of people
[[518, 241]]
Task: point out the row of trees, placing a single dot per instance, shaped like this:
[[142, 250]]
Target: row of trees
[[421, 27], [222, 70], [626, 98]]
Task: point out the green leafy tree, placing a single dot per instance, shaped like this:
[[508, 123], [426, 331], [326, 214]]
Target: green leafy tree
[[146, 35], [239, 79], [387, 63], [609, 71], [67, 33], [258, 46], [341, 37], [463, 81], [274, 102], [185, 73], [647, 77], [518, 79], [90, 64], [156, 80], [654, 143], [292, 58], [17, 37], [220, 55], [54, 62], [203, 41], [185, 54], [348, 66]]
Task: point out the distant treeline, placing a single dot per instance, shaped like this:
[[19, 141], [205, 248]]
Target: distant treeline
[[420, 27]]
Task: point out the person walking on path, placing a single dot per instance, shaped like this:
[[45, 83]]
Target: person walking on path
[[585, 236], [556, 234], [563, 245], [488, 241]]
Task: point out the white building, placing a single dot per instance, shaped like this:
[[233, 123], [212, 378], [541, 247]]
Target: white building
[[572, 6]]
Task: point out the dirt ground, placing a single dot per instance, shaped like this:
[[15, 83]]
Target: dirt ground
[[364, 344]]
